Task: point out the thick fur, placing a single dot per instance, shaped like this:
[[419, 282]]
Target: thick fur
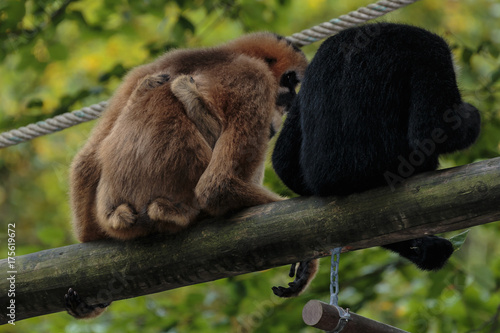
[[147, 157], [378, 104], [182, 138]]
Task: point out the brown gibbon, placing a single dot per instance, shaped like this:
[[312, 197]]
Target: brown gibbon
[[183, 138]]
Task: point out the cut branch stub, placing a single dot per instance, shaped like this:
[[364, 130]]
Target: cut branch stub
[[326, 317]]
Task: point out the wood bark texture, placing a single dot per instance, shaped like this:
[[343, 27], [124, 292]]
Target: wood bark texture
[[254, 239]]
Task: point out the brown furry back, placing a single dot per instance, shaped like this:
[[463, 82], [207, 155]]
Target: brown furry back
[[147, 168]]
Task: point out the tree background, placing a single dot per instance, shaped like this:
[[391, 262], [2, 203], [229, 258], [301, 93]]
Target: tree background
[[57, 56]]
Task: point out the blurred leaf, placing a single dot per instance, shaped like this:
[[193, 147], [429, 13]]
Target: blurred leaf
[[156, 49], [494, 50], [58, 52], [440, 280], [484, 277], [12, 14], [117, 71], [495, 77], [68, 101], [489, 47], [184, 3], [252, 13], [459, 240], [186, 24], [179, 33], [35, 103], [51, 236], [467, 55]]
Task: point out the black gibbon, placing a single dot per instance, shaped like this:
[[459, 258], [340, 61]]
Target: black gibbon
[[162, 157], [378, 104]]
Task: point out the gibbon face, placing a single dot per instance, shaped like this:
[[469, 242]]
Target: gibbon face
[[286, 61]]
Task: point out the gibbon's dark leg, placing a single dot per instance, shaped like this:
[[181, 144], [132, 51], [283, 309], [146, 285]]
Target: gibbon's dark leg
[[152, 81], [286, 163], [305, 274], [76, 307], [439, 121], [457, 128], [429, 253], [465, 122]]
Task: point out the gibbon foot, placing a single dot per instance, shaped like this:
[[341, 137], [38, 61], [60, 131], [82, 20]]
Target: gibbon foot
[[123, 217], [76, 307], [153, 81], [178, 215], [305, 273], [183, 83], [224, 196], [428, 253], [197, 108]]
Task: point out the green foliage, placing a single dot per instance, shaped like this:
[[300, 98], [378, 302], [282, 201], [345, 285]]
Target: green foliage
[[61, 55], [459, 240]]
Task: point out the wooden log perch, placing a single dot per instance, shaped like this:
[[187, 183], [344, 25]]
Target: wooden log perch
[[254, 239], [326, 317]]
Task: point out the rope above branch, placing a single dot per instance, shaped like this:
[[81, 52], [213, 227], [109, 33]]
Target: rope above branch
[[361, 15], [300, 39]]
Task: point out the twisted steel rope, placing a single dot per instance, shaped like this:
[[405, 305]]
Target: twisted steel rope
[[51, 125], [349, 20]]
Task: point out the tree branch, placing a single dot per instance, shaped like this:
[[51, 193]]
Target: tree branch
[[255, 239]]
